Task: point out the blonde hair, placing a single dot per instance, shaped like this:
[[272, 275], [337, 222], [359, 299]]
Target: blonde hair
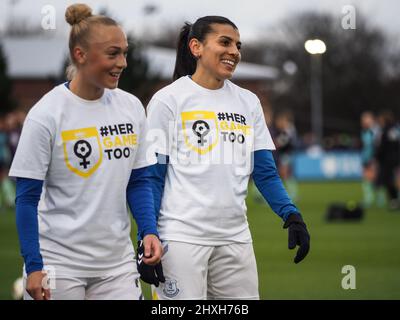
[[81, 19]]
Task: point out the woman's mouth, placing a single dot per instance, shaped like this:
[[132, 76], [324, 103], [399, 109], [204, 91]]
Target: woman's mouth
[[228, 62], [115, 75]]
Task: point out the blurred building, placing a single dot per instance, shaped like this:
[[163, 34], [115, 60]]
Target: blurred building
[[36, 64]]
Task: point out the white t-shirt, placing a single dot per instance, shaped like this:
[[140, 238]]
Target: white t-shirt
[[209, 136], [85, 152]]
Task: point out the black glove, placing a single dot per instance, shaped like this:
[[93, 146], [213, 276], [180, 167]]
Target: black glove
[[298, 235], [149, 274]]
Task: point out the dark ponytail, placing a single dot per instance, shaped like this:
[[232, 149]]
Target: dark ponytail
[[186, 63]]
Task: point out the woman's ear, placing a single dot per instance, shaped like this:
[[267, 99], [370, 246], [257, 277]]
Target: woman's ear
[[80, 55], [196, 48]]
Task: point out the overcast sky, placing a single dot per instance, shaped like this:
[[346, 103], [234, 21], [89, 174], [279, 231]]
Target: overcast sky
[[253, 17]]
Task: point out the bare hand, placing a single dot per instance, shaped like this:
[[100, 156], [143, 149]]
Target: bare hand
[[152, 249], [35, 286]]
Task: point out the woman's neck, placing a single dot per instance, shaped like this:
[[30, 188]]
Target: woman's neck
[[85, 90], [206, 80]]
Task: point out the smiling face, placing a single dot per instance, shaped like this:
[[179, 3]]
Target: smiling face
[[219, 53], [102, 62]]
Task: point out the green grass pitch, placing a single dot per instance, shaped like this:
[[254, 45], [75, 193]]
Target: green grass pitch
[[372, 246]]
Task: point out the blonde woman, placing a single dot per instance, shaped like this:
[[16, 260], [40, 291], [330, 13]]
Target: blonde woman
[[83, 154]]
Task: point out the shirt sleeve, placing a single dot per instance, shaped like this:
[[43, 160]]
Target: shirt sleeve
[[161, 123], [140, 200], [33, 154], [262, 136], [268, 182], [157, 174], [144, 156], [28, 193]]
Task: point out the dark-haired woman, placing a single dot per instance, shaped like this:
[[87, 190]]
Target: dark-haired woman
[[208, 132]]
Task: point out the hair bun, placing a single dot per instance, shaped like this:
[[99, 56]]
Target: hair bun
[[77, 12]]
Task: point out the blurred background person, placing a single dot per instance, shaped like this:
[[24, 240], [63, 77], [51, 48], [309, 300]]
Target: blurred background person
[[14, 123], [397, 180], [285, 138], [369, 134], [388, 157], [7, 193]]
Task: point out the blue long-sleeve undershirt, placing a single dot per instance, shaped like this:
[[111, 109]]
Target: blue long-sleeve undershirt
[[268, 182], [139, 195], [26, 203], [158, 173]]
